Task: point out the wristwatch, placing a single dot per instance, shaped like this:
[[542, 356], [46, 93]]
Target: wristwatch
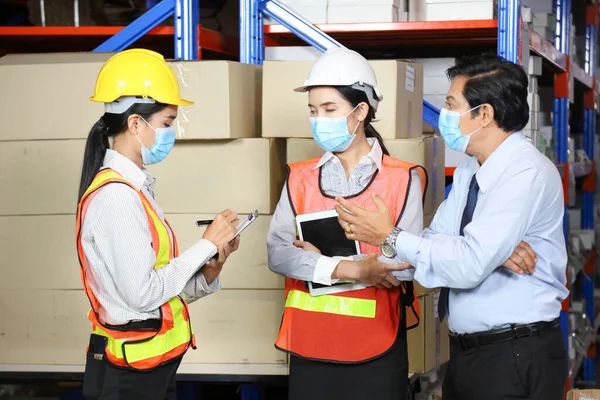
[[388, 247]]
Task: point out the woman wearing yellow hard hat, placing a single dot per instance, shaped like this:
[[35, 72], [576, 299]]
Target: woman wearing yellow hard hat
[[138, 285]]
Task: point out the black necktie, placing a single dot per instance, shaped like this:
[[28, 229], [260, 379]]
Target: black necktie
[[466, 218]]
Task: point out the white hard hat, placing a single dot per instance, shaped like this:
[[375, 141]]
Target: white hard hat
[[344, 67]]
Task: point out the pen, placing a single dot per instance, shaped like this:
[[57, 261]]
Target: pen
[[204, 222]]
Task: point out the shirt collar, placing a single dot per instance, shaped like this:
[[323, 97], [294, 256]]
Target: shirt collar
[[138, 177], [375, 156], [493, 168]]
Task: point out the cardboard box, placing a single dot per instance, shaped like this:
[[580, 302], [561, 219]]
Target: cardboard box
[[227, 97], [533, 124], [291, 53], [44, 327], [436, 85], [535, 66], [245, 269], [589, 394], [285, 112], [54, 264], [427, 151], [51, 327], [313, 11], [210, 176], [435, 66], [362, 13], [442, 11], [238, 327], [428, 343], [40, 177], [348, 3], [190, 180]]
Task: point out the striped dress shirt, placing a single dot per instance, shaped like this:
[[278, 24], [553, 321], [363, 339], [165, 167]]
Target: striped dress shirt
[[117, 243], [287, 260]]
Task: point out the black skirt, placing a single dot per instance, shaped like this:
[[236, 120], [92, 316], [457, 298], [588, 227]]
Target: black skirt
[[384, 378]]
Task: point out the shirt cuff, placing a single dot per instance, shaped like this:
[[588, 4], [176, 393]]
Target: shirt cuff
[[205, 288], [407, 246], [323, 270]]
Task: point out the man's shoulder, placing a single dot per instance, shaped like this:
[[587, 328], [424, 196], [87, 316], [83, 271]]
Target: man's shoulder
[[527, 157]]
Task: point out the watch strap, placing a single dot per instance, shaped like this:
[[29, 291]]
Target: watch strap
[[391, 239]]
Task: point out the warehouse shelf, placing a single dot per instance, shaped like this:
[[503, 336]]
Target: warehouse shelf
[[581, 168], [70, 38], [421, 33], [395, 34], [581, 76]]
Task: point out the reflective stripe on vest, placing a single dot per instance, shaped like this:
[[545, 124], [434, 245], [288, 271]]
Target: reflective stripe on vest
[[353, 326], [331, 304], [139, 349]]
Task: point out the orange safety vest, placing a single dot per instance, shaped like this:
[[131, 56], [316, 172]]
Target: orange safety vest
[[358, 325], [139, 350]]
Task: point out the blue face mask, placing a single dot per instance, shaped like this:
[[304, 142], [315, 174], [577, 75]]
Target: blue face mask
[[331, 134], [164, 140], [448, 124]]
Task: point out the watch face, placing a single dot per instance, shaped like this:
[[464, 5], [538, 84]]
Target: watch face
[[388, 251]]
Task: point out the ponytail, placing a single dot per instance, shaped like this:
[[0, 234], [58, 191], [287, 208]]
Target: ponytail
[[371, 132], [95, 149]]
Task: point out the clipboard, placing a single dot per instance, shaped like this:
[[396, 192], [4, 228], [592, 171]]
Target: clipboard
[[241, 227]]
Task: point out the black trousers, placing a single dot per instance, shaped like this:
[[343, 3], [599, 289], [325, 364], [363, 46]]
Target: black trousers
[[384, 378], [533, 368], [103, 381]]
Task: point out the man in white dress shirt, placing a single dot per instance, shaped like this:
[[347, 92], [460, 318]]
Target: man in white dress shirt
[[506, 341]]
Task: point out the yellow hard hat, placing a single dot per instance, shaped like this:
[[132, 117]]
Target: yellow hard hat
[[139, 73]]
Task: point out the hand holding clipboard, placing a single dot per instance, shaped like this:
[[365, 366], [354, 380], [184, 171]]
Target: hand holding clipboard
[[230, 233]]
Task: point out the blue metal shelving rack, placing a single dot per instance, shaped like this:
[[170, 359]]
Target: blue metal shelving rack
[[589, 183], [186, 14], [252, 12]]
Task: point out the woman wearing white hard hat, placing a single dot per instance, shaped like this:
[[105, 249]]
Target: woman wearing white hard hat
[[351, 344]]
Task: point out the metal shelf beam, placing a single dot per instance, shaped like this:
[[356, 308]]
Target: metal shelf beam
[[186, 18], [138, 28]]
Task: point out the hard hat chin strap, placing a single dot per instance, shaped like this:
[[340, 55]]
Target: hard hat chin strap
[[123, 104]]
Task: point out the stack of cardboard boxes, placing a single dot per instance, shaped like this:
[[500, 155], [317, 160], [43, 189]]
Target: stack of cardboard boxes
[[229, 154], [532, 129], [219, 162], [349, 11], [368, 11], [451, 10]]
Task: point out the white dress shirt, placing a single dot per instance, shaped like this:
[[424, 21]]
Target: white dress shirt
[[287, 260], [520, 199], [117, 243]]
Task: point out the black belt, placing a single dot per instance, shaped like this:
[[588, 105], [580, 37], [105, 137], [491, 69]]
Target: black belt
[[469, 341], [146, 325]]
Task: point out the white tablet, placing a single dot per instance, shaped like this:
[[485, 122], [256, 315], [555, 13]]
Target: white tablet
[[323, 230]]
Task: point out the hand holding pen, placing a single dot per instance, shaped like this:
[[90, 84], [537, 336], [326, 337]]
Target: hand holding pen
[[221, 229]]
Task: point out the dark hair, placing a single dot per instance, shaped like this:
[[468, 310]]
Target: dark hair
[[97, 141], [355, 97], [500, 83]]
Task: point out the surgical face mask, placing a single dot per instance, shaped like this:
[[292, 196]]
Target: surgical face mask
[[164, 140], [448, 124], [331, 134]]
